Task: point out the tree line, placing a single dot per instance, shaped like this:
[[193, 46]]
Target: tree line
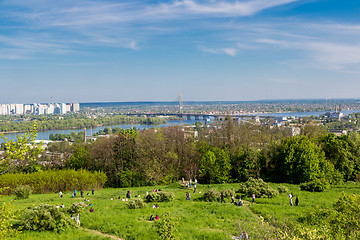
[[71, 121], [228, 152]]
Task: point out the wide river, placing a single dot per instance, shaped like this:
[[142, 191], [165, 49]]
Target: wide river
[[44, 135]]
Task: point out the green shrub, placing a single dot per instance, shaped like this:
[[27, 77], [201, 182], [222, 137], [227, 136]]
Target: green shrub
[[211, 195], [341, 221], [53, 180], [258, 187], [76, 207], [317, 185], [282, 189], [160, 197], [135, 203], [152, 197], [22, 192], [228, 192], [166, 196], [166, 228], [7, 216], [45, 217]]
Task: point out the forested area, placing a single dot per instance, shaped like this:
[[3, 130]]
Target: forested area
[[230, 152], [71, 121]]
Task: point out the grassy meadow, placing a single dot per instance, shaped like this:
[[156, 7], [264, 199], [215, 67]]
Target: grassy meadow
[[197, 219]]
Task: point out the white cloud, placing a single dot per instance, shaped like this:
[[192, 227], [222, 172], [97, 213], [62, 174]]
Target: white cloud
[[227, 51], [234, 8]]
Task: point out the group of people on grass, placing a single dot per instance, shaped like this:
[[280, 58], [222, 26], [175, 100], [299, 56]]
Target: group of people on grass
[[291, 196], [73, 195], [188, 184]]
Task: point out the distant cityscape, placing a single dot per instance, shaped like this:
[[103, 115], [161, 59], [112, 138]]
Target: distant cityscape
[[39, 108]]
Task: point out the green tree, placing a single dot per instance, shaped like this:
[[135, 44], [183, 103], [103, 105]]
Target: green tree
[[22, 152], [79, 159], [215, 166], [339, 152], [298, 159]]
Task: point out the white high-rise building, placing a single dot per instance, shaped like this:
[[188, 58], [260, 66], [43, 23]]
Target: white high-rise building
[[28, 109], [75, 107], [3, 109], [19, 109], [63, 108]]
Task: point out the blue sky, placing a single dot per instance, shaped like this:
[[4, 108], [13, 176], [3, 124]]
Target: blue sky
[[91, 51]]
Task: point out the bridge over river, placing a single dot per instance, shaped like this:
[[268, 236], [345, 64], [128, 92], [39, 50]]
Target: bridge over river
[[198, 116]]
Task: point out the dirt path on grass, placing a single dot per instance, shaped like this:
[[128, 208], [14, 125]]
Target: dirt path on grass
[[100, 233]]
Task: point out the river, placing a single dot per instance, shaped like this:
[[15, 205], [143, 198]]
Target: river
[[44, 135]]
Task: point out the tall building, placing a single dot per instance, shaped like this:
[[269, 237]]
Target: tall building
[[19, 109], [38, 108], [63, 108], [75, 107]]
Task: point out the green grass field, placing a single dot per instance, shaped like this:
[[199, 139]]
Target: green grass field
[[197, 219]]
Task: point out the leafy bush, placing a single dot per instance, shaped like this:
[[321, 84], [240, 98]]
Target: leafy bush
[[211, 195], [282, 189], [228, 192], [22, 192], [53, 180], [317, 185], [135, 203], [45, 217], [341, 221], [7, 215], [166, 228], [152, 197], [76, 207], [258, 187], [160, 197], [166, 196]]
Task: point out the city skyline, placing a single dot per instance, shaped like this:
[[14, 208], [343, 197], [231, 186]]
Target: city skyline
[[106, 51]]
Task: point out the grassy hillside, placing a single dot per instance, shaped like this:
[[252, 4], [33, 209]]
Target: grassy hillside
[[197, 219]]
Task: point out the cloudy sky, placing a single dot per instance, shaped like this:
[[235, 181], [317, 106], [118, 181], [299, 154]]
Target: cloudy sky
[[152, 50]]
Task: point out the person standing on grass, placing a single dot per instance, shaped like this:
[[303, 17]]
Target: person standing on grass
[[194, 188], [77, 219], [75, 193], [92, 191], [60, 194], [253, 197], [82, 193], [222, 197], [240, 202], [190, 183], [291, 199], [297, 201], [232, 199]]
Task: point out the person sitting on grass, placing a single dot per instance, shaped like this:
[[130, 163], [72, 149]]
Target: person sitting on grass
[[152, 218], [91, 209], [157, 217], [62, 206]]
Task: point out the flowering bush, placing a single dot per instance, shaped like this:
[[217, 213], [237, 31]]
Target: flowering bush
[[76, 207], [45, 217], [258, 187]]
